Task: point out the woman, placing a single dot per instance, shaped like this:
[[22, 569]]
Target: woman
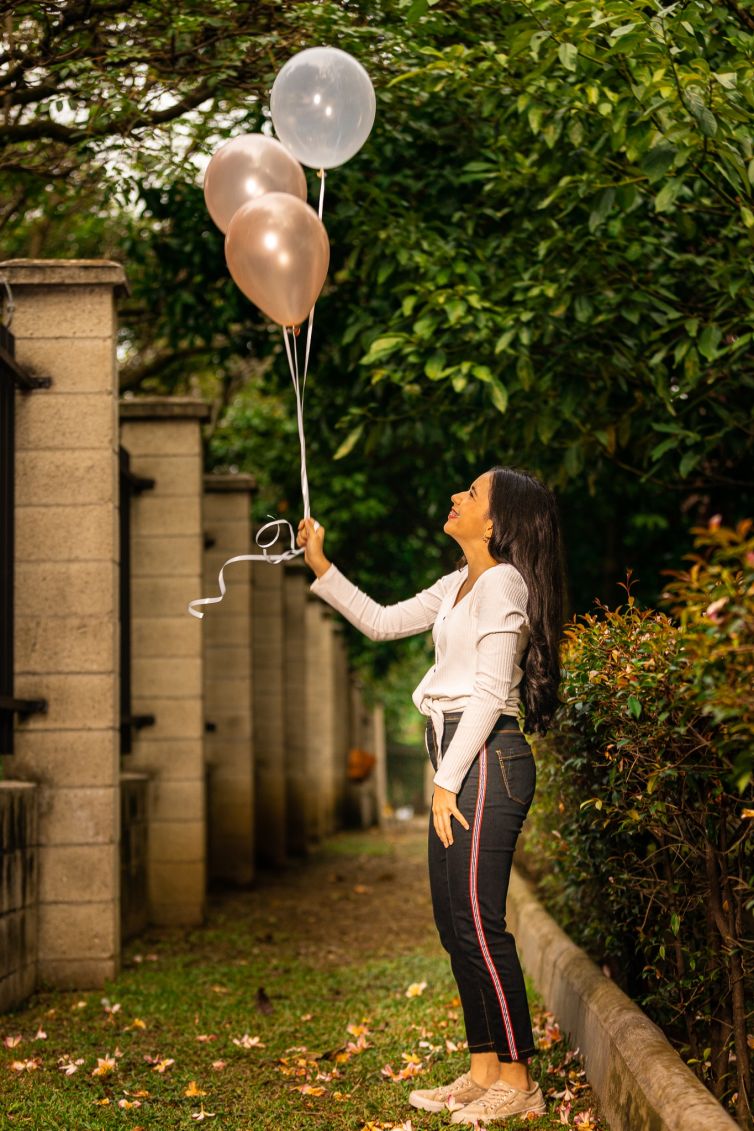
[[496, 626]]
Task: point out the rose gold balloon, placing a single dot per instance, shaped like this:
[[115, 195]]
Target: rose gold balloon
[[278, 253], [245, 168]]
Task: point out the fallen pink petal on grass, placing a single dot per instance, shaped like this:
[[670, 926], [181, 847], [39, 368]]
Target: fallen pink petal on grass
[[201, 1114], [247, 1042], [31, 1064], [105, 1065], [12, 1042], [68, 1066]]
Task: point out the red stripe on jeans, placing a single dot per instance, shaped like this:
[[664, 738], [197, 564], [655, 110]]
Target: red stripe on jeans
[[473, 875]]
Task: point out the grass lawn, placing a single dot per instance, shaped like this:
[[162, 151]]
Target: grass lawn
[[298, 1005]]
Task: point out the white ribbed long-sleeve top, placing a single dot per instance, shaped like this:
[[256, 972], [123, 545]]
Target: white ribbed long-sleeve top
[[479, 645]]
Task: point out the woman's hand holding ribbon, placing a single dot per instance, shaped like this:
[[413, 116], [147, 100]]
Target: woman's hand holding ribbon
[[311, 537]]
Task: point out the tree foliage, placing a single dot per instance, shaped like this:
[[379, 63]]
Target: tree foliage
[[542, 256]]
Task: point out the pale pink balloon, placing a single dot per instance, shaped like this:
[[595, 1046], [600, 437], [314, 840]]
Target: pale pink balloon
[[245, 168], [278, 253]]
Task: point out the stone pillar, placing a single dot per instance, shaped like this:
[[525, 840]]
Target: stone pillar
[[66, 584], [380, 753], [341, 721], [163, 436], [361, 809], [229, 743], [319, 715], [269, 710], [300, 817]]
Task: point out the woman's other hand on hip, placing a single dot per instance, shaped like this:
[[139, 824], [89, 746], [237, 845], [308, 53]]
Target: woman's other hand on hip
[[444, 808]]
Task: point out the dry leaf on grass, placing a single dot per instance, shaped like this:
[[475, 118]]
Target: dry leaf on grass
[[194, 1090]]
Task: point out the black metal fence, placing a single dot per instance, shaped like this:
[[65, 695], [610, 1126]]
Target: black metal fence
[[129, 485], [12, 377]]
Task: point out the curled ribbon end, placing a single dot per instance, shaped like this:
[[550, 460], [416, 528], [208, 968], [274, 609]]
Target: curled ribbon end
[[194, 613]]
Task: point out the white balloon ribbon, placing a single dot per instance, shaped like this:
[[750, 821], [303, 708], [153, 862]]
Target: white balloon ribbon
[[275, 527]]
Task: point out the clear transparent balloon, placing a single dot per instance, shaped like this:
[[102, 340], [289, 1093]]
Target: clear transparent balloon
[[323, 106]]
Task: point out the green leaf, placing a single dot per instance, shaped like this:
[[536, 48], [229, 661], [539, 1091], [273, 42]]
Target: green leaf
[[709, 340], [601, 208], [349, 442], [418, 9], [688, 463], [498, 395], [568, 54], [705, 119], [383, 347], [657, 161], [456, 310], [634, 706], [435, 365], [624, 29], [675, 923], [504, 341], [668, 194], [525, 370]]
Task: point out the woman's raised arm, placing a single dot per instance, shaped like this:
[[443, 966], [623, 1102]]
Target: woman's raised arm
[[378, 622]]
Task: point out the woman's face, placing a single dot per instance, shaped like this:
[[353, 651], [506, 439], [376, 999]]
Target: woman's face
[[469, 519]]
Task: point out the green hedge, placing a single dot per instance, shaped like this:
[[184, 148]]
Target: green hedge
[[641, 832]]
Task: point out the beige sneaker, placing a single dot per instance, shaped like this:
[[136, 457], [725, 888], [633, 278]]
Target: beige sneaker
[[459, 1093], [501, 1101]]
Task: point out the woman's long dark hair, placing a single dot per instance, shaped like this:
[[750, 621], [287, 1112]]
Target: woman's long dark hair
[[526, 533]]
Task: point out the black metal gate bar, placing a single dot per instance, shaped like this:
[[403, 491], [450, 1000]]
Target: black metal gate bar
[[128, 486], [11, 378]]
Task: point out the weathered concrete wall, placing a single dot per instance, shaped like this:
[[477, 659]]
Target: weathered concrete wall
[[269, 712], [229, 743], [18, 892], [66, 638], [163, 437]]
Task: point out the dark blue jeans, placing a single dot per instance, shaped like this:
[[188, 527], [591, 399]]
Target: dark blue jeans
[[469, 885]]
